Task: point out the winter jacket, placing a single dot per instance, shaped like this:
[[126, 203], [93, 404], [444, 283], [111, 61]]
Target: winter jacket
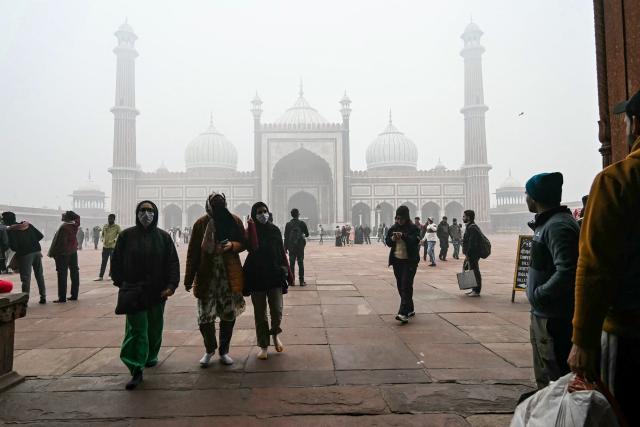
[[411, 236], [199, 269], [554, 256], [455, 232], [65, 241], [443, 231], [148, 256], [266, 267], [304, 231], [471, 241], [24, 238], [430, 233], [608, 275]]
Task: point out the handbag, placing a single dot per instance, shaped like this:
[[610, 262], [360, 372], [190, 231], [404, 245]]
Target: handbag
[[131, 298], [466, 279]]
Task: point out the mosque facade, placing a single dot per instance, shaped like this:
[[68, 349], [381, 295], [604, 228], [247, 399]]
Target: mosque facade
[[302, 160]]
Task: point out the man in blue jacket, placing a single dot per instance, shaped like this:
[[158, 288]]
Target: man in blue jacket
[[550, 283]]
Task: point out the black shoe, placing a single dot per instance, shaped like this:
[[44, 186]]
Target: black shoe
[[136, 379], [73, 298], [151, 363], [59, 301], [433, 264], [303, 283], [43, 300]]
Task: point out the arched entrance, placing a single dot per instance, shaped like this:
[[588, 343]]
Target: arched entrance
[[360, 214], [193, 213], [308, 207], [243, 210], [454, 210], [413, 210], [303, 180], [172, 216], [432, 210], [386, 214]]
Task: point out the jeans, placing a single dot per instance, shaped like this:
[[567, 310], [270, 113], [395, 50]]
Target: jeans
[[431, 245], [208, 331], [26, 263], [259, 300], [444, 248], [404, 271], [456, 249], [106, 256], [298, 255], [551, 343], [142, 338], [69, 263], [472, 264]]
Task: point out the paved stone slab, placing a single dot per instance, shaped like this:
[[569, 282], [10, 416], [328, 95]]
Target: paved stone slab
[[490, 420], [186, 359], [357, 335], [294, 335], [347, 310], [107, 361], [458, 356], [366, 321], [51, 361], [482, 375], [474, 319], [27, 339], [499, 333], [518, 354], [294, 358], [383, 376], [289, 379], [373, 356]]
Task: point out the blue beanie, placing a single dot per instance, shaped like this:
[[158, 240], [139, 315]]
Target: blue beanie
[[545, 188]]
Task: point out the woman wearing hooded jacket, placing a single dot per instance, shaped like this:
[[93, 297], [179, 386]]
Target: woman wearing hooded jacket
[[267, 277], [145, 257], [214, 271]]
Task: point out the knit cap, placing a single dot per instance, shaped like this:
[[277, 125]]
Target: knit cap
[[545, 187]]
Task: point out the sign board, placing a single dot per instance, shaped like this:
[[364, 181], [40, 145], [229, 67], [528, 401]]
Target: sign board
[[523, 260]]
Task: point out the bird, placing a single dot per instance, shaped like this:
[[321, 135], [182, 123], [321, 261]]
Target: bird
[[521, 113]]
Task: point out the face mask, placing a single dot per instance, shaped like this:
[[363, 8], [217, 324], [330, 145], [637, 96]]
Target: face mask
[[146, 218], [263, 218]]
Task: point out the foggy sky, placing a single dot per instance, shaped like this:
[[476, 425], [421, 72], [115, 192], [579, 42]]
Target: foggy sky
[[57, 80]]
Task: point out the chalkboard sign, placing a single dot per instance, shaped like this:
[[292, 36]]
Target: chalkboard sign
[[523, 260]]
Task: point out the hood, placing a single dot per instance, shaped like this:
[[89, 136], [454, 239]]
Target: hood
[[19, 226], [254, 210], [154, 224]]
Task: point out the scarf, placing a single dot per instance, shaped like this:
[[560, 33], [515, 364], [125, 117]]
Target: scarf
[[22, 226], [220, 226]]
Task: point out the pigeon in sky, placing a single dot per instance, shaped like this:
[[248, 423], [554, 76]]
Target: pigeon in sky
[[521, 114]]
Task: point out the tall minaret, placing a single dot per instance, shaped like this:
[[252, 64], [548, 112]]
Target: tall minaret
[[256, 110], [345, 111], [124, 167], [475, 166]]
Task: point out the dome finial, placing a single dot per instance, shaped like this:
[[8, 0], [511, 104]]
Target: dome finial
[[211, 119], [301, 90], [390, 117], [509, 171]]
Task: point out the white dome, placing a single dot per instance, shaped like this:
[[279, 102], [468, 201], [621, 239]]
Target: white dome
[[211, 149], [510, 182], [301, 113], [392, 149]]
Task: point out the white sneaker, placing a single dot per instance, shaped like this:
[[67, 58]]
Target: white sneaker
[[204, 362], [473, 294], [402, 318], [278, 344], [262, 354], [225, 359]]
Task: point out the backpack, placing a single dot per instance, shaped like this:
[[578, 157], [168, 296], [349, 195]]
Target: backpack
[[295, 236], [484, 248]]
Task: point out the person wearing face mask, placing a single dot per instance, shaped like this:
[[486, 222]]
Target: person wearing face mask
[[404, 240], [267, 277], [214, 271], [145, 257], [109, 234]]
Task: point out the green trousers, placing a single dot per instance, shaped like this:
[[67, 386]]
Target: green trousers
[[142, 338]]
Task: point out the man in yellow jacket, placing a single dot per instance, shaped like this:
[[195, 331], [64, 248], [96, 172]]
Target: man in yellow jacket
[[606, 320]]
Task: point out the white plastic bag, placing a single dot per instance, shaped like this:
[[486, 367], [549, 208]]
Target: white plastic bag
[[555, 406]]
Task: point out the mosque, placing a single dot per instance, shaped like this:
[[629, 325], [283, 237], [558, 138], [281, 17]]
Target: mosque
[[302, 160]]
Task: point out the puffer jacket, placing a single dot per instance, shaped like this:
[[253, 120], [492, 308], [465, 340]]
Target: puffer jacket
[[199, 269]]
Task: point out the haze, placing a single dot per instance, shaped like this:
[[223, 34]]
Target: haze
[[57, 71]]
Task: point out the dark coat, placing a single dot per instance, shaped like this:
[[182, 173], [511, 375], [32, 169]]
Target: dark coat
[[411, 235], [146, 255], [471, 241], [24, 238], [266, 267], [443, 231]]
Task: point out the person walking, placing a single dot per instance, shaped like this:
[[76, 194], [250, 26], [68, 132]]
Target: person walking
[[550, 282], [87, 236], [404, 239], [429, 236], [606, 319], [64, 251], [321, 232], [380, 233], [295, 234], [96, 236], [338, 235], [443, 237], [267, 276], [24, 239], [144, 258], [455, 232], [110, 232], [471, 242], [80, 238], [214, 272], [4, 247], [367, 234]]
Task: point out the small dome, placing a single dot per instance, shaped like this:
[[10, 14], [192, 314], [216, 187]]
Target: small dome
[[301, 113], [510, 182], [163, 168], [440, 166], [211, 150], [391, 149], [88, 187], [472, 28]]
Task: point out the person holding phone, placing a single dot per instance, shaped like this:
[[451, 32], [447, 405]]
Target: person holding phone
[[404, 240], [214, 272]]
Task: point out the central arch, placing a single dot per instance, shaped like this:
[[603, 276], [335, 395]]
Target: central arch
[[303, 180], [172, 216], [193, 213], [360, 214]]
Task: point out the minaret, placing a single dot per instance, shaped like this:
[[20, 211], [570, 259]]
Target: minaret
[[124, 167], [475, 165], [345, 102], [256, 110]]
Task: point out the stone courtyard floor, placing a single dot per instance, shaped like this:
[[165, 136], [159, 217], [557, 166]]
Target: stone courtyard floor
[[461, 361]]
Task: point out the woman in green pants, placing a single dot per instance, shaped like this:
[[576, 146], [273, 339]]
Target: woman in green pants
[[145, 256], [267, 277]]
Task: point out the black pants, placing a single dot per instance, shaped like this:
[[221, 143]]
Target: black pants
[[627, 378], [444, 248], [68, 263], [473, 265], [298, 255], [405, 271], [106, 256], [208, 331], [95, 243]]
